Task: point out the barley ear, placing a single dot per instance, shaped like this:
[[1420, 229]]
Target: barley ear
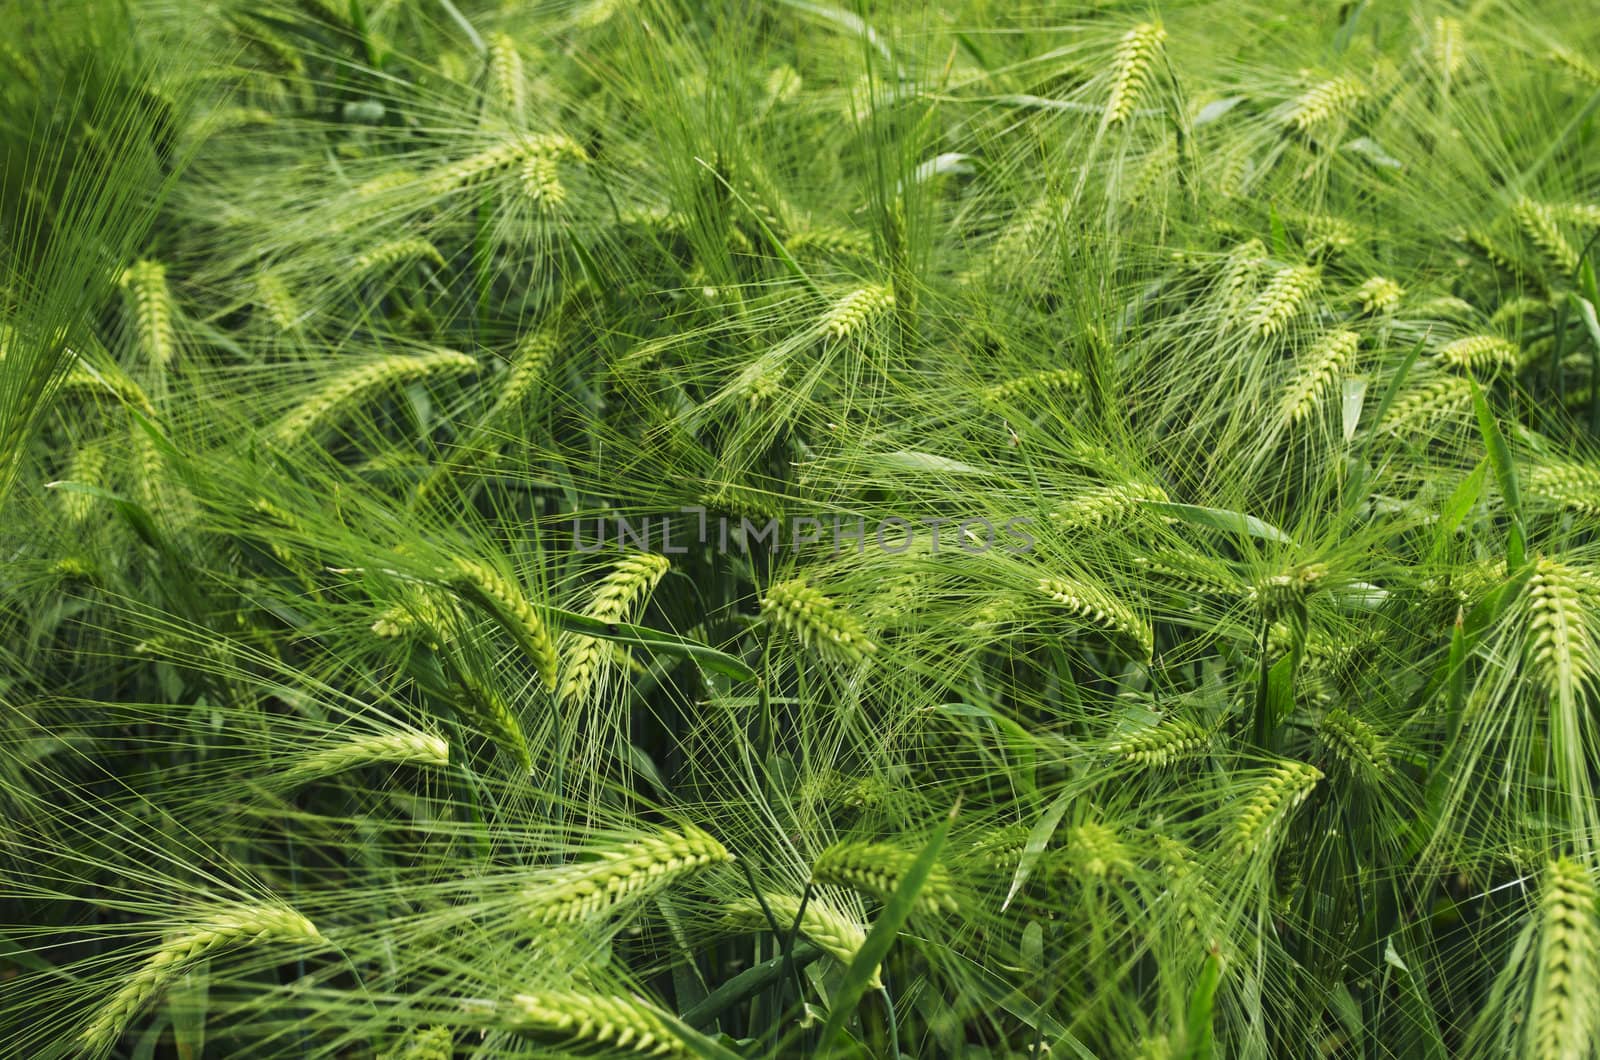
[[817, 621], [503, 601], [398, 747], [1562, 1022], [877, 868], [839, 935], [227, 927], [1093, 606], [1160, 745], [627, 871], [1271, 803], [349, 389], [150, 301], [1136, 56], [506, 87], [624, 588], [855, 311], [1324, 103], [590, 1023]]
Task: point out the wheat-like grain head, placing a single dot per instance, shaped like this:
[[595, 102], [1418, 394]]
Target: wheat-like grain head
[[1105, 506], [1447, 46], [423, 612], [1560, 646], [589, 1024], [1354, 743], [1566, 484], [1331, 356], [505, 602], [1272, 802], [830, 239], [230, 926], [1379, 294], [628, 584], [150, 303], [1192, 572], [1136, 56], [629, 870], [1324, 102], [817, 621], [348, 389], [1160, 745], [1097, 852], [1285, 295], [1582, 214], [505, 82], [1095, 607], [423, 1043], [1538, 223], [1237, 277], [1428, 401], [488, 711], [877, 869], [1576, 65], [837, 934], [1513, 311], [852, 313], [397, 252], [1041, 383], [89, 467], [398, 747], [540, 179], [1562, 1023], [273, 296], [1479, 353], [499, 158], [1276, 591]]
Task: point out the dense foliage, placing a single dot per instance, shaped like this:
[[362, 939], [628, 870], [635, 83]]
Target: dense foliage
[[635, 527]]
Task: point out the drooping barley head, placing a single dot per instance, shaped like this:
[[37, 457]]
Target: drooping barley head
[[1566, 484], [1354, 743], [1324, 365], [856, 310], [400, 747], [1095, 607], [1101, 507], [1136, 56], [150, 303], [1479, 353], [877, 869], [1561, 648], [1270, 804], [397, 252], [1281, 300], [349, 389], [505, 83], [1160, 745], [1379, 294], [837, 934], [1562, 1021], [234, 925], [586, 890], [1538, 223], [596, 1024], [1324, 103], [817, 621], [1047, 381], [504, 601], [629, 583]]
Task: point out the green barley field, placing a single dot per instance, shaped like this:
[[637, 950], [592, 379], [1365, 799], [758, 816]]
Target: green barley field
[[722, 529]]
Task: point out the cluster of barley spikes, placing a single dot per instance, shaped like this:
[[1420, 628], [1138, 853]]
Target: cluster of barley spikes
[[767, 528]]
